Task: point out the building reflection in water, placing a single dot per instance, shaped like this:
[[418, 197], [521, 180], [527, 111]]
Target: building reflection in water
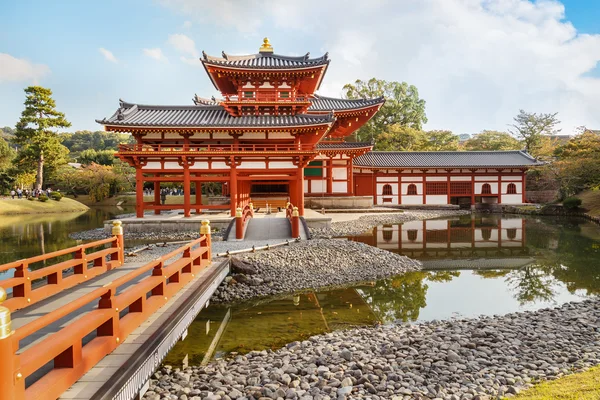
[[450, 244]]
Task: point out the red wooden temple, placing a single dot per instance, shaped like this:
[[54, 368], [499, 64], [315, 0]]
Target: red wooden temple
[[270, 136], [271, 139]]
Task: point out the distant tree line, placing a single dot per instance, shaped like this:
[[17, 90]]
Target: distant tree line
[[35, 154]]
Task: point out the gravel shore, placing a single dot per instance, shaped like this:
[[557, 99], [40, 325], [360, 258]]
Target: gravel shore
[[308, 265], [469, 359], [369, 221]]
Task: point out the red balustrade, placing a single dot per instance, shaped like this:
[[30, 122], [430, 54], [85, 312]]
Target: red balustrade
[[29, 287]]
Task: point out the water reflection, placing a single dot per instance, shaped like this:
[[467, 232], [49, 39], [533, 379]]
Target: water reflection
[[480, 265]]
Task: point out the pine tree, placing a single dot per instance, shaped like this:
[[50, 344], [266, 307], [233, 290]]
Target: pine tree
[[35, 135]]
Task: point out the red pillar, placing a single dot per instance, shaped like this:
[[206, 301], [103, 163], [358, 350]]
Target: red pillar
[[233, 189], [139, 192], [329, 175], [350, 177], [472, 189], [186, 191], [156, 194], [300, 190], [523, 187]]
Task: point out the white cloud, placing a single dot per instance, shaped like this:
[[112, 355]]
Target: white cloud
[[475, 62], [156, 53], [187, 46], [244, 16], [187, 25], [20, 70], [108, 55]]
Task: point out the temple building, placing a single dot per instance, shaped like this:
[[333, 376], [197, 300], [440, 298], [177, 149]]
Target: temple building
[[273, 139]]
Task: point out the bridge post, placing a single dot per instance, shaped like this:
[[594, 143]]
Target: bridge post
[[295, 223], [239, 224], [12, 386], [117, 231], [205, 230]]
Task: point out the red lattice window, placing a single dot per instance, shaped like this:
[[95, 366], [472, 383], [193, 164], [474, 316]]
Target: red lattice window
[[511, 188], [411, 190], [460, 187], [412, 234], [436, 188], [486, 189], [387, 190]]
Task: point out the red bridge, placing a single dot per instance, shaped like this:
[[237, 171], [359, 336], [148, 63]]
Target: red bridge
[[90, 325]]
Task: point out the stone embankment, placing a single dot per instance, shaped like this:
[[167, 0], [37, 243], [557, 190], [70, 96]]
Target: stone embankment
[[471, 359], [308, 265], [366, 222]]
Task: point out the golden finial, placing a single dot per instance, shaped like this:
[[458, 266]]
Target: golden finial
[[5, 323], [266, 46]]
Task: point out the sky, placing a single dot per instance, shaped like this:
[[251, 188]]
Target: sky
[[475, 62]]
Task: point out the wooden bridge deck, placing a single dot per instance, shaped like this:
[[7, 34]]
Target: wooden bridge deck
[[129, 367]]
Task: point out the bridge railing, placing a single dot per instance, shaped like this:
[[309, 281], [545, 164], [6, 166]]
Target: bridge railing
[[29, 287], [242, 215], [123, 305], [293, 215]]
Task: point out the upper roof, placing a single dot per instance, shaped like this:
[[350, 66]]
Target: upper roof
[[134, 115], [265, 61], [322, 103], [400, 159], [343, 145]]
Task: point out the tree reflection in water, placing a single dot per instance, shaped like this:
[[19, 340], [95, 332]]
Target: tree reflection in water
[[401, 298]]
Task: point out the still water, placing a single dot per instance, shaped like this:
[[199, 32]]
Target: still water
[[480, 265], [23, 236]]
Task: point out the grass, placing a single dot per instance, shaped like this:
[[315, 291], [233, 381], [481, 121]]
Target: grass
[[591, 201], [581, 386], [24, 206]]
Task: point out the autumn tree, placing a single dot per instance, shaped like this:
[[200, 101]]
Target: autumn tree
[[6, 154], [400, 138], [440, 140], [402, 106], [36, 133], [531, 128], [492, 140]]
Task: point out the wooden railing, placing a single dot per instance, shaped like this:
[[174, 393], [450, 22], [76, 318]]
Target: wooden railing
[[119, 312], [242, 215], [29, 287], [293, 215], [239, 148]]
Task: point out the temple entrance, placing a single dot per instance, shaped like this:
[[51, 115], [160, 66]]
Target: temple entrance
[[270, 196], [266, 189]]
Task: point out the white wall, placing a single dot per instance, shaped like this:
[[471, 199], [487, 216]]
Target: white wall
[[253, 165], [512, 199], [339, 187], [317, 186], [339, 173], [436, 199], [493, 186], [418, 199]]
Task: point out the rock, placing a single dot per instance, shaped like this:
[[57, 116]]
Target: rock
[[242, 267]]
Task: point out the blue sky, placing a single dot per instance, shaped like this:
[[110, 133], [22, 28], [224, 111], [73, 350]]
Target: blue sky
[[475, 62]]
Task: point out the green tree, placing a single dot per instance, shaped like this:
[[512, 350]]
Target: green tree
[[6, 154], [532, 127], [7, 132], [36, 136], [402, 106], [400, 138], [492, 140], [440, 140], [102, 157]]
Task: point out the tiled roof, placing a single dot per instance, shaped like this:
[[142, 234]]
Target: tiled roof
[[204, 101], [391, 159], [265, 61], [130, 114], [343, 145], [322, 103]]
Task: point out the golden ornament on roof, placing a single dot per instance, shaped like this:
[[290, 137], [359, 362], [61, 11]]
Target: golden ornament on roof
[[266, 46]]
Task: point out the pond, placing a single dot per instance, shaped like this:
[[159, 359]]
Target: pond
[[475, 265]]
